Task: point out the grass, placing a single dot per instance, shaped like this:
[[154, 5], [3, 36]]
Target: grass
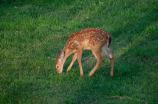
[[32, 32]]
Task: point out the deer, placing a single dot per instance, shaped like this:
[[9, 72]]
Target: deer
[[93, 39]]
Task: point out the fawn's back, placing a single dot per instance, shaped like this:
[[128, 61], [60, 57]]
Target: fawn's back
[[87, 38]]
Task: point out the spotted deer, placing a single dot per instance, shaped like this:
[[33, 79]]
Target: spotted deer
[[93, 39]]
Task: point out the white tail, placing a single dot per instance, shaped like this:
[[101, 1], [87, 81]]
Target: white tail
[[88, 38]]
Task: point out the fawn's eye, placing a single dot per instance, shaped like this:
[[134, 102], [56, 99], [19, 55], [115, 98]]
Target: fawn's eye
[[57, 67]]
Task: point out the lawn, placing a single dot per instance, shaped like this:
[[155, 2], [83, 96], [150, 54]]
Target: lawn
[[32, 32]]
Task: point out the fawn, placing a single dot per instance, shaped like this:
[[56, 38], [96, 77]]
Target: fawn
[[93, 39]]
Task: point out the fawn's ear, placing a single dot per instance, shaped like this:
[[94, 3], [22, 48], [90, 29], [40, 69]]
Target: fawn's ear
[[62, 55], [58, 55]]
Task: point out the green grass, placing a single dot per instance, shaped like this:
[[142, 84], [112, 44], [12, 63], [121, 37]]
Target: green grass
[[32, 32]]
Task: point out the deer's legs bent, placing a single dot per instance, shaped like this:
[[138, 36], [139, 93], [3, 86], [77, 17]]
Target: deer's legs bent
[[99, 58]]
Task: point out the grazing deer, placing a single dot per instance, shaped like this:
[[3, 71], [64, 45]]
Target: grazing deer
[[88, 38]]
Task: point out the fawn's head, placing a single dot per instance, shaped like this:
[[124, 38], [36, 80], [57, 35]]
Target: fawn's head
[[59, 61]]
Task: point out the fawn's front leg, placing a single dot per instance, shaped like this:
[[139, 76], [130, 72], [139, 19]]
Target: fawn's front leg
[[79, 53], [72, 62]]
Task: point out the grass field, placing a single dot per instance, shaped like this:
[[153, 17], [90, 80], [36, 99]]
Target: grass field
[[32, 32]]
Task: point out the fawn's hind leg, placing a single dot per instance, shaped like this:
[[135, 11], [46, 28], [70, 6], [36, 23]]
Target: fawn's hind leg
[[99, 58], [106, 50]]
